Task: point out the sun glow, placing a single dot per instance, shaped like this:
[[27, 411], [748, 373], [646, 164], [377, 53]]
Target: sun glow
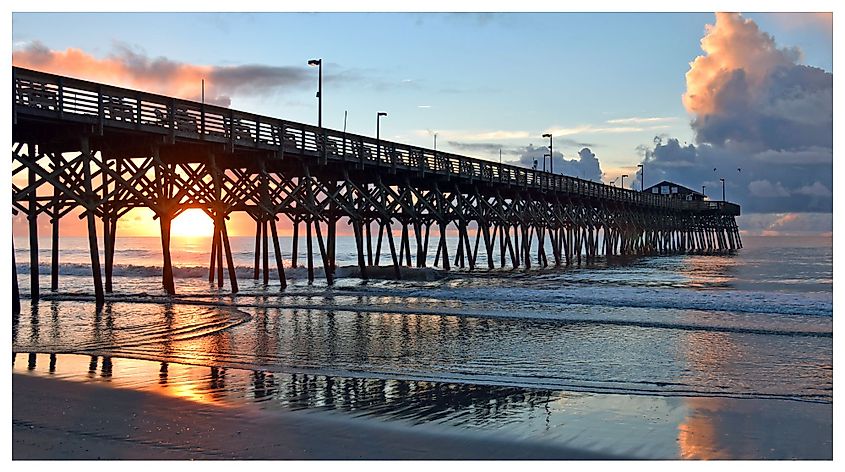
[[192, 223]]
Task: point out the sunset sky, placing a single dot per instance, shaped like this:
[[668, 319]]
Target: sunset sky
[[750, 95]]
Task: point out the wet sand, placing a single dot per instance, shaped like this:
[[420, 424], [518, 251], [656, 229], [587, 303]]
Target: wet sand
[[56, 419]]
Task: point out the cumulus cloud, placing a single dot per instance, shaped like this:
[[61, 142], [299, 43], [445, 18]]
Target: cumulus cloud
[[818, 189], [762, 121], [747, 90], [766, 189], [130, 68], [585, 166]]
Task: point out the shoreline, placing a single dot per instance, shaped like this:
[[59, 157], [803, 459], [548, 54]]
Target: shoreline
[[127, 409], [58, 419]]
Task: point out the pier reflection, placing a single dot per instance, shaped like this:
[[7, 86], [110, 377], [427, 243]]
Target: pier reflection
[[687, 427], [414, 401]]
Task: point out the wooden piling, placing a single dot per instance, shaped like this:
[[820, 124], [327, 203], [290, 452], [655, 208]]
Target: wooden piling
[[54, 246], [230, 263], [106, 224], [112, 240], [310, 248], [265, 251], [324, 254], [99, 296], [359, 244], [222, 223], [331, 244], [367, 224], [16, 294], [32, 218], [167, 269], [393, 255], [378, 243], [256, 266], [294, 251], [215, 238], [278, 251], [444, 249]]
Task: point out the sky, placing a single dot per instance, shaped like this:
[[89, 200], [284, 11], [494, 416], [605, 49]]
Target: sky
[[693, 96]]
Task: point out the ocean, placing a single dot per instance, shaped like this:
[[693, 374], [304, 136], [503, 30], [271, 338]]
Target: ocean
[[688, 356]]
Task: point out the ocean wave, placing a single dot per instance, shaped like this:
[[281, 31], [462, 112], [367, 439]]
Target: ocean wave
[[815, 304], [719, 324]]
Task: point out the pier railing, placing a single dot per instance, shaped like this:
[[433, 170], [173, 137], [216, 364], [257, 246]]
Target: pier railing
[[64, 98]]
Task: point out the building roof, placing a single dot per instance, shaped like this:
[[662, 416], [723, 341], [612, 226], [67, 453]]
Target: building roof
[[680, 187]]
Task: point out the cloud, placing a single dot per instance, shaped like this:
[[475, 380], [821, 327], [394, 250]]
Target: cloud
[[131, 68], [766, 189], [747, 90], [586, 166], [485, 148], [640, 120], [786, 224], [459, 135], [761, 120], [818, 189], [598, 129]]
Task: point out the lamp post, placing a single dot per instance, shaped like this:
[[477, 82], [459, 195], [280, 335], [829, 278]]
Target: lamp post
[[723, 189], [378, 134], [551, 154], [642, 177], [622, 185], [319, 64], [435, 141], [704, 195]]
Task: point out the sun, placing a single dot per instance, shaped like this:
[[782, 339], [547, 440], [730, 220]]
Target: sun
[[193, 222]]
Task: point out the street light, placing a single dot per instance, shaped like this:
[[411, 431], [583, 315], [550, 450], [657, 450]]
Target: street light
[[319, 64], [551, 154], [378, 134], [435, 141], [723, 189], [642, 177], [622, 185], [704, 195]]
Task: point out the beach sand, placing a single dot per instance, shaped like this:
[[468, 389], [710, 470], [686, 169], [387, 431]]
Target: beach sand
[[56, 419]]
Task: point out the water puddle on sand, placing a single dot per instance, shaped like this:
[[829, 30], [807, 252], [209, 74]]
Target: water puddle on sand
[[628, 425]]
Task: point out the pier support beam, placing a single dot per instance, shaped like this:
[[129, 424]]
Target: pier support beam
[[167, 267], [32, 218], [54, 245], [280, 266], [230, 263], [99, 295], [16, 294]]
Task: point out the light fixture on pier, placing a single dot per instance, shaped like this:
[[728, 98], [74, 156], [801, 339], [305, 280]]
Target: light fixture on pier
[[642, 177], [319, 64], [378, 133], [551, 154], [378, 123], [622, 185]]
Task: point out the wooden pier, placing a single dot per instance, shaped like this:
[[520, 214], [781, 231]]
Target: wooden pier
[[103, 150]]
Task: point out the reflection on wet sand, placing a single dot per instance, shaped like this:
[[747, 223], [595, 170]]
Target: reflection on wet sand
[[705, 428], [717, 428], [698, 437], [416, 401]]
